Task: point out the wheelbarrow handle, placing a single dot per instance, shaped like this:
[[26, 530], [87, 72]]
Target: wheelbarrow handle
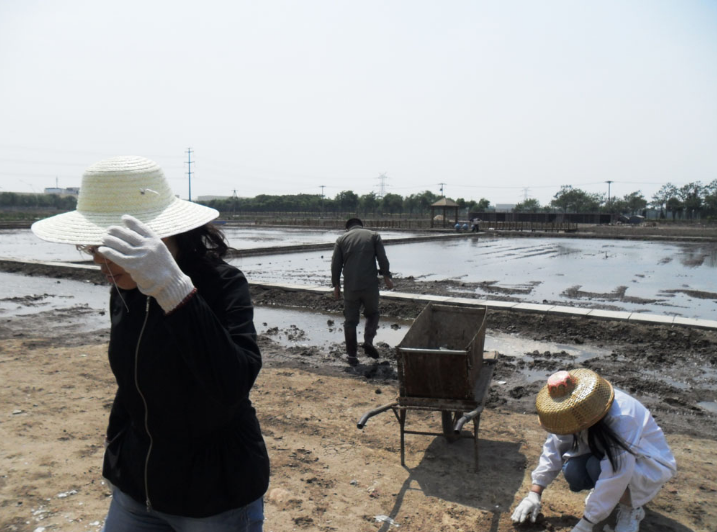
[[367, 415], [466, 418]]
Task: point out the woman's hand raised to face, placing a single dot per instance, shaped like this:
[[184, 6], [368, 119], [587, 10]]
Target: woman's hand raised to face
[[142, 254]]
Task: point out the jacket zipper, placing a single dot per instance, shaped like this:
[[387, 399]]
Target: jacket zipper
[[146, 409]]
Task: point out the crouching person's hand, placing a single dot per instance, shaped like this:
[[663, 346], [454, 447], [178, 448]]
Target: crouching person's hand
[[529, 508]]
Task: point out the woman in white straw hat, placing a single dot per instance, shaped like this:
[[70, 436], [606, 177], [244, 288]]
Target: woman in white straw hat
[[184, 449], [603, 440]]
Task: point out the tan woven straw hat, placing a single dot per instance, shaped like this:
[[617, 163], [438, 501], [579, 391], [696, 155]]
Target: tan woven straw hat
[[573, 401], [117, 186]]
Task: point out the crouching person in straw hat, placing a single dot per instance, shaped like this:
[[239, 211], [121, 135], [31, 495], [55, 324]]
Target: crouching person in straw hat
[[603, 440], [184, 449]]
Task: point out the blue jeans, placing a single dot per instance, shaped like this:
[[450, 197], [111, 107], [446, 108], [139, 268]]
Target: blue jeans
[[127, 515], [582, 472]]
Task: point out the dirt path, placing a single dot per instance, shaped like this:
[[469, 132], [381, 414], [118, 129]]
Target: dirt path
[[326, 474]]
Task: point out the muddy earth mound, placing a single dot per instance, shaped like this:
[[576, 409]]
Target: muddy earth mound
[[671, 369]]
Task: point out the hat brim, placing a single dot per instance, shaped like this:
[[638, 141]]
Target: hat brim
[[83, 228], [586, 405]]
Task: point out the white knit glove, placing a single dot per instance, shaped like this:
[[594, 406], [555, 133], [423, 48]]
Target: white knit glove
[[143, 255], [528, 507], [583, 526]]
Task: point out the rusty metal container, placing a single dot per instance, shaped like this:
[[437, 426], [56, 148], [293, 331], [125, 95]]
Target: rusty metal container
[[441, 356]]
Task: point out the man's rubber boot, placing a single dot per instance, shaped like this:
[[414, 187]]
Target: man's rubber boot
[[369, 333], [351, 345]]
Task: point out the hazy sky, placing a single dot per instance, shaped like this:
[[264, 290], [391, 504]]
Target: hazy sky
[[498, 99]]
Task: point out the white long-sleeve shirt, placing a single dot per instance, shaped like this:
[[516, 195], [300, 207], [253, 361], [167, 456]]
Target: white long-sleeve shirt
[[644, 472]]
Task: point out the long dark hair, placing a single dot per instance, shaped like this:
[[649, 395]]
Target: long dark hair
[[603, 441], [204, 242]]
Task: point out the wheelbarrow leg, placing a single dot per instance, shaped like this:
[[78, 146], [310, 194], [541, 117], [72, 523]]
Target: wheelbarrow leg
[[402, 422], [448, 422], [476, 426]]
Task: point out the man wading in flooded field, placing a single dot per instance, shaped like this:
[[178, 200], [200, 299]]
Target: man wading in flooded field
[[356, 253]]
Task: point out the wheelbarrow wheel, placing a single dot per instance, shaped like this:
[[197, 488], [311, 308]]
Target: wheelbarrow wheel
[[448, 421]]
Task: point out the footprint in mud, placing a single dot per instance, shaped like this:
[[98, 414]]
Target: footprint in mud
[[519, 392]]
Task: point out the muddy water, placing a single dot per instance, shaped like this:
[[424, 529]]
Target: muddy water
[[292, 328], [28, 296], [637, 276], [252, 238], [710, 406], [655, 277], [73, 313], [81, 307], [296, 327], [22, 244]]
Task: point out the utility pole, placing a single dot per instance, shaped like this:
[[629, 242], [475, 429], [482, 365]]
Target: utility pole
[[608, 192], [189, 172], [234, 203], [525, 193], [442, 195], [321, 201]]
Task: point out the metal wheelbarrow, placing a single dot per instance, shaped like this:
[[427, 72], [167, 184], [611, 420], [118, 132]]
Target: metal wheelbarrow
[[442, 367]]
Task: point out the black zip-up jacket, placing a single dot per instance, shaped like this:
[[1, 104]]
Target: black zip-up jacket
[[183, 437]]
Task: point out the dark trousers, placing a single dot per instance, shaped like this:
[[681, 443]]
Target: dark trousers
[[353, 301]]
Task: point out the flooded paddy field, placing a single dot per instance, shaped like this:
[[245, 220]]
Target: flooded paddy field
[[636, 276], [21, 244], [656, 277]]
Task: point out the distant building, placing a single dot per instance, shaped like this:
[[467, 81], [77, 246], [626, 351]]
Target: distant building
[[210, 198], [69, 191], [504, 207]]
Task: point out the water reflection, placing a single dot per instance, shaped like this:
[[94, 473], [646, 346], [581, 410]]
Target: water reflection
[[21, 244], [695, 257], [655, 277], [624, 275]]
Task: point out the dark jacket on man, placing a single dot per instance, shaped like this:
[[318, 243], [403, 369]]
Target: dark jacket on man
[[183, 436], [356, 252]]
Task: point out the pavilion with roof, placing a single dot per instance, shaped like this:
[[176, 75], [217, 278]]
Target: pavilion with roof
[[443, 205]]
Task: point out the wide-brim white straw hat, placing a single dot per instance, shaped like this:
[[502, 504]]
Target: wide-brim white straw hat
[[117, 186]]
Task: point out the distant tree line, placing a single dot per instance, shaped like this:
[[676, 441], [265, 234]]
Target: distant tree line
[[344, 202], [29, 201], [690, 201]]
